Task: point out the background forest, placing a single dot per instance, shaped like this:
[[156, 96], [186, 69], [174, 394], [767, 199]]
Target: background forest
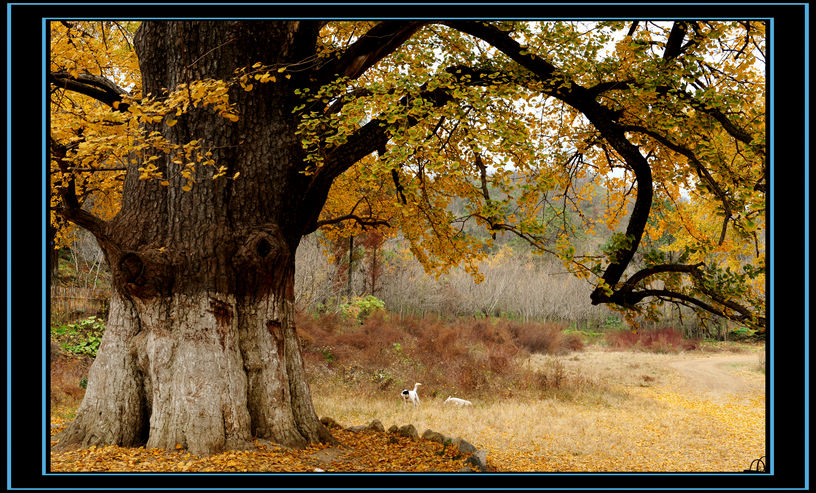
[[518, 282]]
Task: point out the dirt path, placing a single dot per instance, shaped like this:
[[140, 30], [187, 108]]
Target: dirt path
[[718, 374]]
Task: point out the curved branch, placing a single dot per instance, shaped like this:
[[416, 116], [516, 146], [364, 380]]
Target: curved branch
[[363, 222], [379, 42], [72, 209], [94, 86], [657, 269], [626, 296], [637, 296], [730, 127], [372, 137], [702, 171], [605, 121], [602, 118]]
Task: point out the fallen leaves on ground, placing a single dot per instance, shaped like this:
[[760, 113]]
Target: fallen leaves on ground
[[638, 425], [656, 430], [365, 451]]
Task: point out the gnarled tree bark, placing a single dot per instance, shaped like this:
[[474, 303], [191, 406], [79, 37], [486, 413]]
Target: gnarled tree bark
[[201, 348]]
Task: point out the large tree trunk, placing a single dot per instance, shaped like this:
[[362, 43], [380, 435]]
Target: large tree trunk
[[201, 348]]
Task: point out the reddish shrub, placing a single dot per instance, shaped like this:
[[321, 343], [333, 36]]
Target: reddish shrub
[[622, 339], [496, 333], [354, 338], [573, 342], [478, 357], [315, 331], [500, 357], [658, 340], [547, 338], [67, 371], [469, 378]]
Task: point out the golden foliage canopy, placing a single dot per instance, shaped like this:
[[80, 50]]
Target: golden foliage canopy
[[521, 125]]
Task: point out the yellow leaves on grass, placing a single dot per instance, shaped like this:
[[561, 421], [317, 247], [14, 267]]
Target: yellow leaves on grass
[[656, 430]]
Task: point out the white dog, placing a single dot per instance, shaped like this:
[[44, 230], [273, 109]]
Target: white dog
[[457, 401], [411, 395]]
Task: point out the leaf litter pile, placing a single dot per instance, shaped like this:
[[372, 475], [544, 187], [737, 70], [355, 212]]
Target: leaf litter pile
[[358, 451], [657, 425]]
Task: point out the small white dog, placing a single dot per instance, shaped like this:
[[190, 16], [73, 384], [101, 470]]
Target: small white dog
[[411, 395], [457, 401]]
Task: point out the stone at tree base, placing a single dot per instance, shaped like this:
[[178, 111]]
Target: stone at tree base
[[434, 436], [408, 431]]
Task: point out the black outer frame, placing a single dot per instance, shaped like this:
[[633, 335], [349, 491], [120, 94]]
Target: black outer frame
[[25, 426]]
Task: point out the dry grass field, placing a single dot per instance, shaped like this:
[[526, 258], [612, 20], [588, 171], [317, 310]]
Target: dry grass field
[[543, 400], [638, 411]]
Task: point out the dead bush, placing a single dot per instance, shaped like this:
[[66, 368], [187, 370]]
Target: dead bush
[[468, 356], [573, 342], [68, 373], [545, 338], [663, 340]]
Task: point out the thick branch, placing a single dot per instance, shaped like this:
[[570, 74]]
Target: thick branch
[[642, 274], [674, 45], [603, 119], [363, 222], [379, 42], [702, 171], [371, 137], [94, 86], [72, 208], [626, 296]]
